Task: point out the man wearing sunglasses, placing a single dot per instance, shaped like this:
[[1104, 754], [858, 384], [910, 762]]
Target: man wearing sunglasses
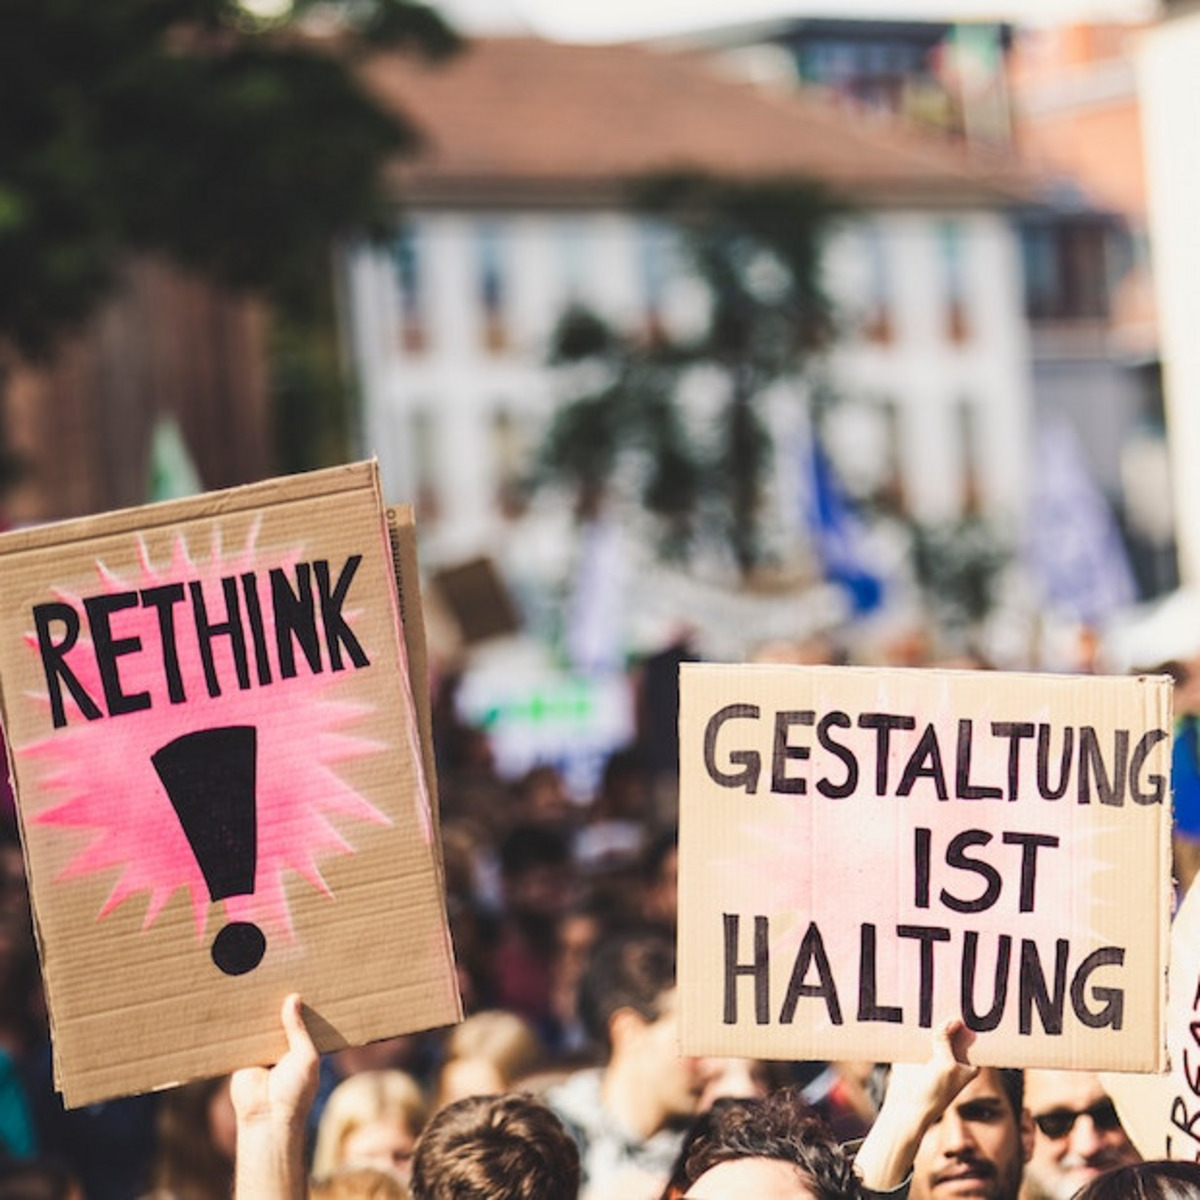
[[1077, 1136]]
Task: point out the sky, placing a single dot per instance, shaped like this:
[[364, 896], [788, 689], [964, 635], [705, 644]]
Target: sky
[[610, 20]]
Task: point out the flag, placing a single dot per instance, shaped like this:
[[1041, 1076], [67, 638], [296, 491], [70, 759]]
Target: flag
[[1073, 548], [595, 630], [837, 531], [173, 475]]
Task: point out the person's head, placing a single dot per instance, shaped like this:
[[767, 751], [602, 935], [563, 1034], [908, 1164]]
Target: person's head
[[577, 933], [38, 1180], [535, 869], [628, 1001], [978, 1148], [772, 1148], [632, 970], [1155, 1180], [487, 1053], [195, 1140], [541, 796], [660, 880], [624, 792], [737, 1079], [509, 1147], [1077, 1133], [14, 886], [372, 1119]]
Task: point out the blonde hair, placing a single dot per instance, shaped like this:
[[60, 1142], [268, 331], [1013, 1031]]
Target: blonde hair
[[360, 1100], [503, 1039], [358, 1183]]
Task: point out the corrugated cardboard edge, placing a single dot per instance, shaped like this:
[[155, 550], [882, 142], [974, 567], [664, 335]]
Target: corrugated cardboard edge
[[402, 536], [265, 494], [1165, 873], [400, 545]]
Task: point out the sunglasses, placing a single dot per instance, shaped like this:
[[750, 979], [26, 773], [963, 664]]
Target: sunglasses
[[1058, 1122]]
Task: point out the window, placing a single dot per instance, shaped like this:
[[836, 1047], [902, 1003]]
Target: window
[[406, 261], [492, 286], [952, 250], [426, 496], [1066, 261], [1038, 255], [877, 319], [572, 257], [511, 452], [654, 259], [891, 492], [967, 419]]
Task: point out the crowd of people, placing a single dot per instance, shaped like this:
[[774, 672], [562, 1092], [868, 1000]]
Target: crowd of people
[[565, 1080]]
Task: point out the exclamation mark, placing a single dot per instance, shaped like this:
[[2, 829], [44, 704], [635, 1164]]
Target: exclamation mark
[[210, 778]]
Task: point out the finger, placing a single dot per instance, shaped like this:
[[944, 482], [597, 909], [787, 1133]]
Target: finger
[[246, 1091], [294, 1028], [959, 1040]]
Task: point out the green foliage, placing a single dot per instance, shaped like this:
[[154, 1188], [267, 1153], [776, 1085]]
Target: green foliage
[[958, 564], [756, 247], [229, 144]]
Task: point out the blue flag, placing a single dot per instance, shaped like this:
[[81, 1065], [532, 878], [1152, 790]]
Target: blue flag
[[1073, 547], [837, 532]]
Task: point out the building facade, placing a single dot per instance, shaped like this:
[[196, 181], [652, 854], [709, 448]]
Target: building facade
[[519, 209]]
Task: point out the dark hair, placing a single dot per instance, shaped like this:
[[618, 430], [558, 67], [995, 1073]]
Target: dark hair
[[188, 1161], [1159, 1179], [626, 762], [1013, 1082], [781, 1127], [697, 1132], [632, 969], [42, 1179], [509, 1147], [529, 846], [655, 854]]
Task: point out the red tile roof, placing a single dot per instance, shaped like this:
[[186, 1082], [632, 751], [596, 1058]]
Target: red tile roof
[[522, 120]]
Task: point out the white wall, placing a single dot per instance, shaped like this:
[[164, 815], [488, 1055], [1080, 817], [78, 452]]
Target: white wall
[[1169, 85], [925, 374]]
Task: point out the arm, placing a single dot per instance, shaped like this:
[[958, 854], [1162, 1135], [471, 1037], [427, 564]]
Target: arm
[[271, 1107], [916, 1097]]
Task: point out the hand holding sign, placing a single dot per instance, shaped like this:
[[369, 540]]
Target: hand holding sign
[[272, 1108], [917, 1095]]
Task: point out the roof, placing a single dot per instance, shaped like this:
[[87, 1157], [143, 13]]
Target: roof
[[523, 120]]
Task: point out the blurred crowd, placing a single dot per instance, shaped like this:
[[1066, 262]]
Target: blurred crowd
[[562, 911]]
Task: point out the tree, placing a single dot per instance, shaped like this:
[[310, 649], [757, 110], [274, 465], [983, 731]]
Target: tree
[[235, 145], [959, 564], [756, 248]]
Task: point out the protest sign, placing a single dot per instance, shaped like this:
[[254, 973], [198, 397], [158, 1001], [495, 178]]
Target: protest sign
[[864, 853], [1161, 1113], [221, 778]]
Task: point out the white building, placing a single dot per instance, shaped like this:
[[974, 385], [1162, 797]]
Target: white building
[[516, 208]]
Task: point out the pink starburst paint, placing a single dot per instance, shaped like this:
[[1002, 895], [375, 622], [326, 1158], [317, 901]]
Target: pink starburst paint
[[103, 782], [803, 860]]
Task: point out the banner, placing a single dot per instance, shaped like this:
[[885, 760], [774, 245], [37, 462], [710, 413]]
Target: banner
[[1161, 1113], [865, 853], [221, 779]]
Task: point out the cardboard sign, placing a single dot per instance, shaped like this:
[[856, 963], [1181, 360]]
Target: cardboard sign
[[864, 853], [220, 779], [1161, 1113], [475, 594]]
